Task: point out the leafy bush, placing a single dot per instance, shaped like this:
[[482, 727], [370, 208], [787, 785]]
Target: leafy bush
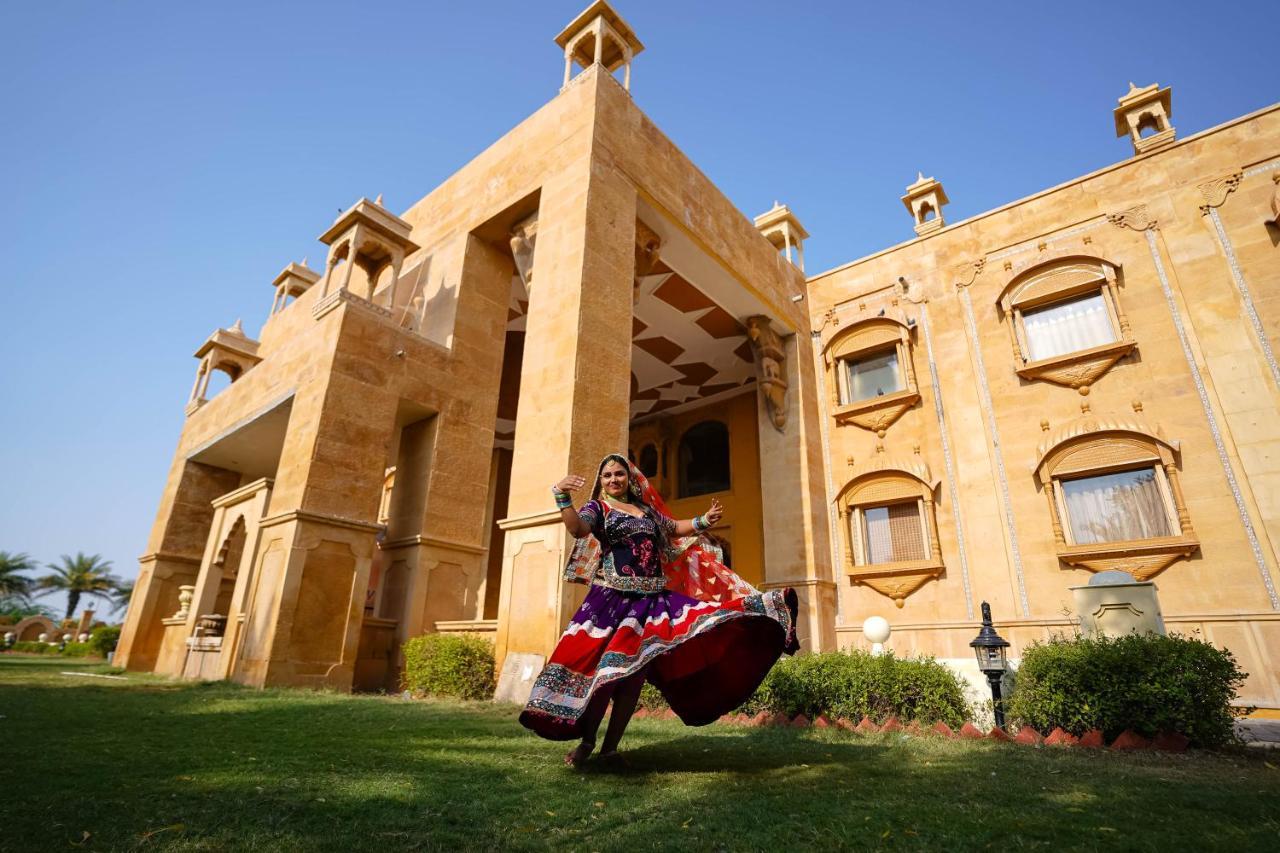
[[651, 698], [34, 647], [1147, 683], [103, 639], [449, 665], [76, 650], [855, 684]]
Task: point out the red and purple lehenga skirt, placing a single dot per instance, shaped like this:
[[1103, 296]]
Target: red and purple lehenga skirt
[[705, 658]]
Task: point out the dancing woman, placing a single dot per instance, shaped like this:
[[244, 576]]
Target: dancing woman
[[662, 607]]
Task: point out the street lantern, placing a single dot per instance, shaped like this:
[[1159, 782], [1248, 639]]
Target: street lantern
[[991, 650]]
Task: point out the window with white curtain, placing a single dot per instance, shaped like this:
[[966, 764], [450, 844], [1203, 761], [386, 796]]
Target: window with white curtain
[[1119, 507], [1068, 326], [892, 534], [872, 376]]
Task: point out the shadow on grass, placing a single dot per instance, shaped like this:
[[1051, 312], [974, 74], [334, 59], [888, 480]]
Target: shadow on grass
[[179, 766]]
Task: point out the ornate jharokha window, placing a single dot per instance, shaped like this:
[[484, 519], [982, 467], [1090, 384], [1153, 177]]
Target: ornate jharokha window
[[1114, 497], [1065, 320], [890, 527], [872, 378]]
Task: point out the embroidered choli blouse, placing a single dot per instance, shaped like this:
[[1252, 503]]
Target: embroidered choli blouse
[[630, 548]]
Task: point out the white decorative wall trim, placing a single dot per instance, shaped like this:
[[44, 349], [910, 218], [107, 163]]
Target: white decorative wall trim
[[833, 511], [971, 329], [1269, 166], [1198, 379], [952, 486], [1245, 296]]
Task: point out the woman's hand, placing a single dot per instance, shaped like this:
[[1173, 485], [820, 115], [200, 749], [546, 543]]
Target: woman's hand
[[714, 514], [569, 484]]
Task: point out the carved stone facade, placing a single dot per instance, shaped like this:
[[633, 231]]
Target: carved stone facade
[[1104, 394], [1084, 379]]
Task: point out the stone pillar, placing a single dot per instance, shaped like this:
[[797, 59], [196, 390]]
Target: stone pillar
[[574, 389], [172, 559], [797, 534], [315, 549]]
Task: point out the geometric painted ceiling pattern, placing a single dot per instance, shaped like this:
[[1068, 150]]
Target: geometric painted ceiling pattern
[[685, 347]]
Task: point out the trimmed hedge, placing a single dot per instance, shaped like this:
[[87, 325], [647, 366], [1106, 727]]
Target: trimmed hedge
[[853, 685], [34, 647], [104, 638], [856, 684], [1144, 682], [77, 650], [454, 665]]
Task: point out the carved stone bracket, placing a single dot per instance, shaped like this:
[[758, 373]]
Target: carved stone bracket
[[969, 273], [767, 346], [1135, 217], [648, 248], [524, 238], [1215, 192]]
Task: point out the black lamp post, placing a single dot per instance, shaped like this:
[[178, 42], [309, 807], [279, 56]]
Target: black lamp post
[[991, 651]]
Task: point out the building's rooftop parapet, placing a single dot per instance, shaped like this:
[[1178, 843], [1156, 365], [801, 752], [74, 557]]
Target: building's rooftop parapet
[[1146, 110], [599, 36], [924, 201], [781, 228], [376, 217]]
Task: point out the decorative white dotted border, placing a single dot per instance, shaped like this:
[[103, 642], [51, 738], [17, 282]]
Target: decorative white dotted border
[[946, 455], [1254, 544], [972, 330], [1246, 296], [837, 552]]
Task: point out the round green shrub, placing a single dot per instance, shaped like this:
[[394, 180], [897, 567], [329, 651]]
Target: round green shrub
[[854, 684], [103, 639], [77, 650], [454, 665], [1144, 682]]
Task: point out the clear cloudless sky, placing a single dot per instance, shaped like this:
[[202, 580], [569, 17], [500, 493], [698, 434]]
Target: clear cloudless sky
[[160, 162]]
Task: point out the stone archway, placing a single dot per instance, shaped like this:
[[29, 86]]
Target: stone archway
[[30, 629]]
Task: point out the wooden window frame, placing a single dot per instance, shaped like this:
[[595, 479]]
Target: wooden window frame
[[884, 483], [862, 340]]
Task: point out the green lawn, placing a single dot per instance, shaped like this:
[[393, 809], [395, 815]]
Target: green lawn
[[93, 764]]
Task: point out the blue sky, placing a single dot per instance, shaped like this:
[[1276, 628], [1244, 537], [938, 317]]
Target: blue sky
[[162, 161]]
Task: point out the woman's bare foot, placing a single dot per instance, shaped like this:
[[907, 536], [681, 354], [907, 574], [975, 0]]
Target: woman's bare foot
[[579, 754]]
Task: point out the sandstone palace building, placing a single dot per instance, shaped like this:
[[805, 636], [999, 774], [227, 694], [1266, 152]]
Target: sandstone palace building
[[995, 409]]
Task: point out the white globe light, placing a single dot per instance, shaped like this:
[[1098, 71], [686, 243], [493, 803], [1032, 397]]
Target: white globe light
[[876, 629]]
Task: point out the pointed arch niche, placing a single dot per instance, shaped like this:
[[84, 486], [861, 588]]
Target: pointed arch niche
[[870, 373], [890, 526], [1065, 320], [1115, 499]]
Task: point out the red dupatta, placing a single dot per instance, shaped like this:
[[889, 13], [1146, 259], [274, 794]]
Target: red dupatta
[[694, 565]]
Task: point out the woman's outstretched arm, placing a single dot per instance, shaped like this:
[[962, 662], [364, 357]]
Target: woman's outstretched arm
[[688, 527], [572, 521]]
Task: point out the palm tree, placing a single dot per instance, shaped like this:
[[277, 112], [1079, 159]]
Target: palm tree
[[120, 596], [84, 575], [14, 584]]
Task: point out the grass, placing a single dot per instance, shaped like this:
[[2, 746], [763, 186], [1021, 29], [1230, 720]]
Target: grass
[[96, 764]]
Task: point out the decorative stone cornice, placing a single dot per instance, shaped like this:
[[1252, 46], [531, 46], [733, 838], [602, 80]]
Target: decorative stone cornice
[[1136, 218], [1215, 192]]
